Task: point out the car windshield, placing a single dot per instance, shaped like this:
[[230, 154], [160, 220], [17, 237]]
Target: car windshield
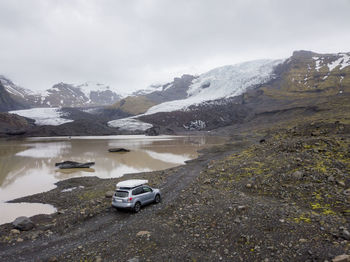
[[122, 193]]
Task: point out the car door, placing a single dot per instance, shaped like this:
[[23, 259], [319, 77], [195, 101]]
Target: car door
[[148, 194], [138, 193]]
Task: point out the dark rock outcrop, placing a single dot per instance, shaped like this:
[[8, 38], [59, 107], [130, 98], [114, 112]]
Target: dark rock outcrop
[[153, 131], [73, 164], [83, 127], [172, 91], [23, 223], [118, 150]]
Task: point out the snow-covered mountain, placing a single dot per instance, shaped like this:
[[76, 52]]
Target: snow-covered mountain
[[14, 89], [215, 98], [187, 90], [81, 95], [223, 82], [63, 94]]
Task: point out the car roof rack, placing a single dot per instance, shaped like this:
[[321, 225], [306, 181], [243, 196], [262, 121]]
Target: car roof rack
[[131, 183]]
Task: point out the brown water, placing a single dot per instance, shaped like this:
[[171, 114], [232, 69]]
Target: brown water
[[28, 166]]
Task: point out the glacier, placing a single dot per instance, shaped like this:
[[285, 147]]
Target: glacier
[[44, 116], [130, 124], [222, 82]]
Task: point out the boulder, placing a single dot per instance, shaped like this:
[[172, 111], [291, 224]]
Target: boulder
[[73, 164], [109, 194], [23, 223], [345, 234], [143, 233], [134, 259], [341, 258], [207, 181], [347, 192], [15, 231], [118, 150], [298, 174]]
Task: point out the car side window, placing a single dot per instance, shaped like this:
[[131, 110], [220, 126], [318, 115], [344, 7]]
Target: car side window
[[137, 191], [147, 189]]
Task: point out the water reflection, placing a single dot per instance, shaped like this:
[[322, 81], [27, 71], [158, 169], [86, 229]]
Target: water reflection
[[9, 212], [45, 150], [28, 166]]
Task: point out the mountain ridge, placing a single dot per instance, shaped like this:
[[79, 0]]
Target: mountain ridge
[[297, 84], [88, 94]]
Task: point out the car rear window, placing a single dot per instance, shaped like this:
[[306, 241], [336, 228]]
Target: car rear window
[[122, 193]]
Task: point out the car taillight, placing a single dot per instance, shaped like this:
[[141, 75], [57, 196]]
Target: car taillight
[[129, 199]]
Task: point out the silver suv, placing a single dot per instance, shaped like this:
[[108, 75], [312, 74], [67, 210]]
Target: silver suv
[[134, 193]]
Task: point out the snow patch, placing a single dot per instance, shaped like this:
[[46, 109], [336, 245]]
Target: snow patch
[[343, 61], [195, 125], [168, 86], [71, 189], [44, 116], [318, 63], [149, 89]]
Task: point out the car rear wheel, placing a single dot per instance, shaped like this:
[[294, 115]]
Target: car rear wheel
[[157, 199], [137, 207]]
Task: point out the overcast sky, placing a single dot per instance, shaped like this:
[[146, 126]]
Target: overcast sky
[[129, 44]]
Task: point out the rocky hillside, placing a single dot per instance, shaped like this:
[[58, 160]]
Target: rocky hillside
[[11, 124], [311, 75], [178, 89], [9, 101]]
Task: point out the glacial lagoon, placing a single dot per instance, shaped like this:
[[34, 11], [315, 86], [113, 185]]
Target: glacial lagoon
[[27, 166]]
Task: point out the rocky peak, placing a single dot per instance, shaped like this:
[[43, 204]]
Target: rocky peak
[[303, 53]]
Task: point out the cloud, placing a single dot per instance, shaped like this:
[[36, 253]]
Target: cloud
[[131, 44]]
